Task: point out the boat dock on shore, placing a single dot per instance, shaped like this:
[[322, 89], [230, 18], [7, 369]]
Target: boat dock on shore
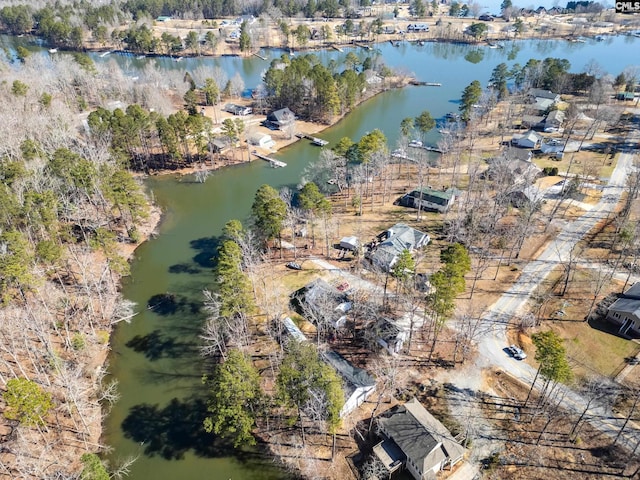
[[274, 163], [315, 140]]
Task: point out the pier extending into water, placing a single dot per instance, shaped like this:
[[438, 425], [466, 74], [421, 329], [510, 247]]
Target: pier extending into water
[[319, 142], [274, 163]]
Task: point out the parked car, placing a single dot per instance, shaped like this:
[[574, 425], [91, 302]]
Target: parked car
[[486, 17], [516, 352]]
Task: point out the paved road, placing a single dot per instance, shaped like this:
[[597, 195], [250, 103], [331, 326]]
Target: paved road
[[533, 274]]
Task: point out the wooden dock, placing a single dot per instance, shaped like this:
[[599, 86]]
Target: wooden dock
[[319, 142], [336, 48], [259, 56], [402, 156], [274, 163]]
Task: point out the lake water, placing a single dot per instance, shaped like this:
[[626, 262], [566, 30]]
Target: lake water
[[155, 357]]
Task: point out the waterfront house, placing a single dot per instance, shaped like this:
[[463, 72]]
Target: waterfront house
[[261, 140], [625, 311], [357, 383], [280, 119], [538, 93], [219, 144], [414, 439], [240, 110], [372, 78], [319, 301]]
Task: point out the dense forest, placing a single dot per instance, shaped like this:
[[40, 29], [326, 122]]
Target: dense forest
[[70, 210]]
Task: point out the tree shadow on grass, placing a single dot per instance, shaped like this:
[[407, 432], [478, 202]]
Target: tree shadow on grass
[[155, 346], [207, 248]]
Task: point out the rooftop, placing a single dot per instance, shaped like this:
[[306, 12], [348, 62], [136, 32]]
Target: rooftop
[[418, 434], [629, 301], [353, 375]]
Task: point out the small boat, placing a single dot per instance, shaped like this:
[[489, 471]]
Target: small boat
[[294, 266], [53, 50], [140, 57], [415, 143]]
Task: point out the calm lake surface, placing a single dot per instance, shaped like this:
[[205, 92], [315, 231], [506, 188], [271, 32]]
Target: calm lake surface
[[155, 357]]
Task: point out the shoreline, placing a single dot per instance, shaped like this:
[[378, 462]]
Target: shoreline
[[364, 44], [307, 128]]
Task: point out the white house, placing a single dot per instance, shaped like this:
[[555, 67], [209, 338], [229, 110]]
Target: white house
[[530, 139], [357, 383], [625, 311], [350, 243], [417, 441], [261, 140], [544, 94], [293, 330]]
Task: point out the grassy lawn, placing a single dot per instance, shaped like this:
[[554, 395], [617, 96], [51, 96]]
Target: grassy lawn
[[592, 347], [590, 350]]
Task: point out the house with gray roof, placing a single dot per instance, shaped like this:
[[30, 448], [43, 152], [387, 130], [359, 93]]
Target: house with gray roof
[[392, 333], [554, 121], [389, 245], [429, 199], [544, 94], [513, 167], [530, 139], [280, 119], [320, 301], [357, 383], [414, 439], [625, 311]]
